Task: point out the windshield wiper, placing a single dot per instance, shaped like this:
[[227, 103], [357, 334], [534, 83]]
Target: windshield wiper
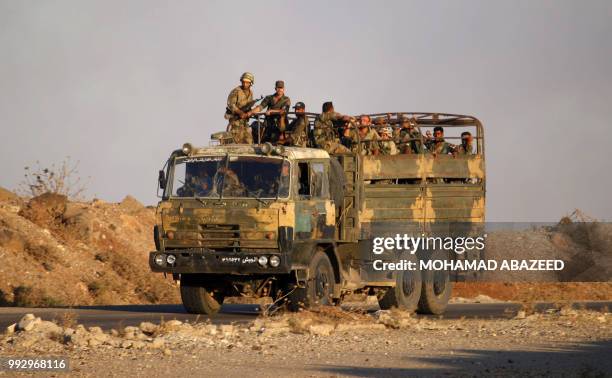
[[249, 192], [200, 200]]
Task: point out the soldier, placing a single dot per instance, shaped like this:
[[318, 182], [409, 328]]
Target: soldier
[[232, 187], [277, 106], [405, 137], [199, 185], [365, 140], [325, 136], [238, 109], [439, 145], [299, 126], [283, 181], [387, 145], [466, 147]]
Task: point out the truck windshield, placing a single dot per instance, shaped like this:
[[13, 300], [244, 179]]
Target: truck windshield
[[231, 177]]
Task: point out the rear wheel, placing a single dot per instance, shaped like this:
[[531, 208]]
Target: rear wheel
[[437, 288], [199, 297], [407, 291], [319, 286]]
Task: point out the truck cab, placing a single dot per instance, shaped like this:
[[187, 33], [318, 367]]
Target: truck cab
[[240, 220]]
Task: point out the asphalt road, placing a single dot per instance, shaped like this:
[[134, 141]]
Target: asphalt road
[[109, 317]]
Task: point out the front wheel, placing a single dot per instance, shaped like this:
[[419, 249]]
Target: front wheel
[[198, 297], [319, 286]]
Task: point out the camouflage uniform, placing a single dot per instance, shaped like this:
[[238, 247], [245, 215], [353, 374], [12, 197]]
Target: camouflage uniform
[[388, 147], [442, 148], [238, 127], [369, 143], [465, 150], [324, 134], [273, 124], [231, 185], [299, 131], [403, 138]]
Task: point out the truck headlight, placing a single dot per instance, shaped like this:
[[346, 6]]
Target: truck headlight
[[274, 261], [171, 259], [262, 260], [160, 259]]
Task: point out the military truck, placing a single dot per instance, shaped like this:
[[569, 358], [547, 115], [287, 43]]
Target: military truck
[[297, 224]]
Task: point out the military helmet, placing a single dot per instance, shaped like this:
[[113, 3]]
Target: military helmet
[[386, 131], [248, 77]]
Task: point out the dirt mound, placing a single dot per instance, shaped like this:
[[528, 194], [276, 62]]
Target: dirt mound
[[131, 205], [56, 252], [8, 196]]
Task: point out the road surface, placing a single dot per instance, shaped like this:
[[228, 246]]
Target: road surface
[[109, 317]]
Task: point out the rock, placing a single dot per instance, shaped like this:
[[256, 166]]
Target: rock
[[321, 329], [173, 323], [210, 329], [167, 352], [48, 328], [126, 344], [11, 329], [157, 343], [131, 329], [78, 338], [95, 330], [148, 328], [521, 315], [141, 336], [28, 322]]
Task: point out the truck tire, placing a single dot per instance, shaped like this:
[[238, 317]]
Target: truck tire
[[319, 287], [437, 288], [197, 298], [406, 293]]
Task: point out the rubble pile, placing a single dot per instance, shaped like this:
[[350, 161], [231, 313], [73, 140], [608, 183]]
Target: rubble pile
[[34, 334]]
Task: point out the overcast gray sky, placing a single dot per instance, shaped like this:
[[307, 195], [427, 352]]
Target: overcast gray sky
[[119, 84]]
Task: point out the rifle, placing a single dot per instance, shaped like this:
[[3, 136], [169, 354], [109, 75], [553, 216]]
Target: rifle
[[246, 107]]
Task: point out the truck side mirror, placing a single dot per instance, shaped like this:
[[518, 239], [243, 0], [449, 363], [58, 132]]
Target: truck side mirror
[[162, 179]]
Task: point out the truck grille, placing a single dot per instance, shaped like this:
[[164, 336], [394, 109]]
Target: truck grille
[[220, 235]]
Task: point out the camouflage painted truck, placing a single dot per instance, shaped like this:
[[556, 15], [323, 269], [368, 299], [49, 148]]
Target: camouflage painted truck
[[297, 224]]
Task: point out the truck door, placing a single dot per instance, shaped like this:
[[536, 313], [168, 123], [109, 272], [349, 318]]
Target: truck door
[[315, 212]]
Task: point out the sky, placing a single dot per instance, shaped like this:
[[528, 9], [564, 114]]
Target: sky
[[118, 85]]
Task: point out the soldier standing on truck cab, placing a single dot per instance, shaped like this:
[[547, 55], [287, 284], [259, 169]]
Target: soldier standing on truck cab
[[439, 145], [299, 126], [325, 135], [277, 106], [235, 113]]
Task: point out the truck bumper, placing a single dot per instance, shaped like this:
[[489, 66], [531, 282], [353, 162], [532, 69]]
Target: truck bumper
[[202, 260]]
